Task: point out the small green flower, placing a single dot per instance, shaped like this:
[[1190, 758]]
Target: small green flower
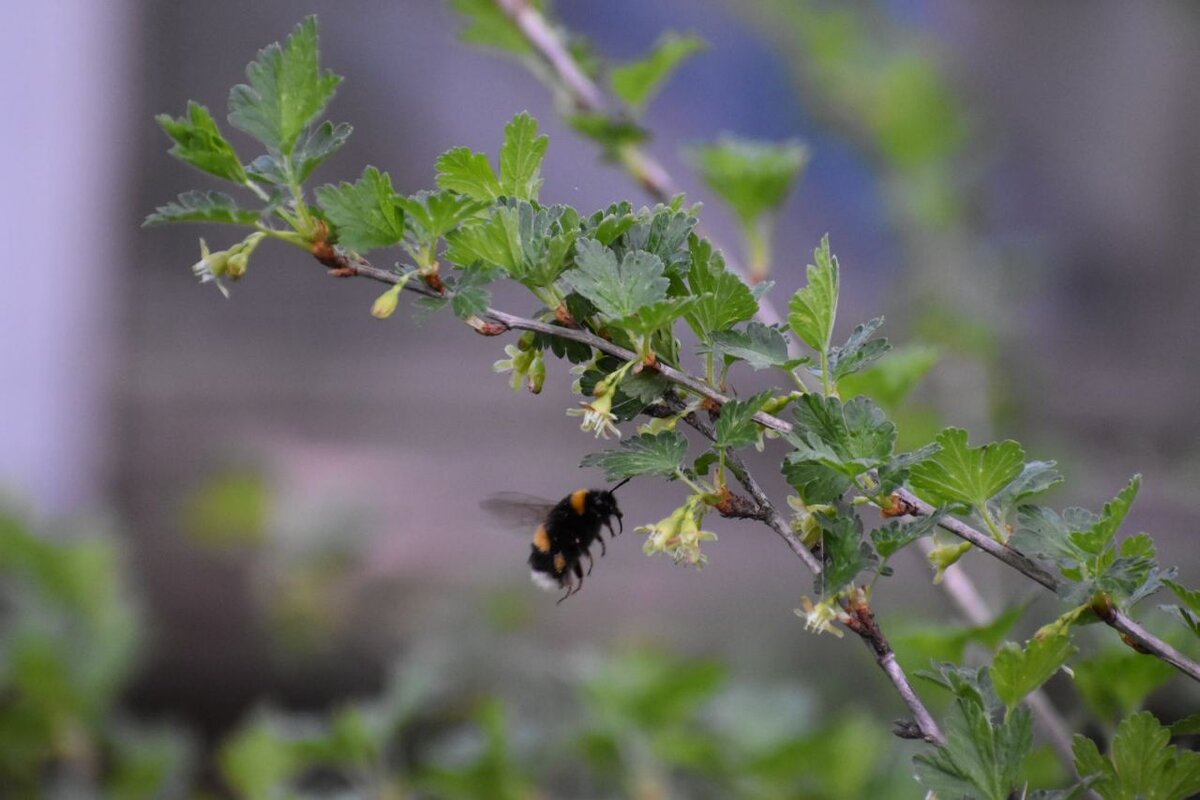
[[679, 535], [519, 363], [819, 618], [944, 556], [385, 305], [597, 416], [231, 263]]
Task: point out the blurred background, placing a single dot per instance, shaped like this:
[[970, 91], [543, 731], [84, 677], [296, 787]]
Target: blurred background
[[290, 488]]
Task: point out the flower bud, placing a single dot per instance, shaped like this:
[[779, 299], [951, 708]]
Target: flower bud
[[385, 305]]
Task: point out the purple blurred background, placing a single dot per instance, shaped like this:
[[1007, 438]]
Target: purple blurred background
[[129, 386]]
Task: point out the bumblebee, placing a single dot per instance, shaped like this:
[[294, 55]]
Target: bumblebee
[[565, 533]]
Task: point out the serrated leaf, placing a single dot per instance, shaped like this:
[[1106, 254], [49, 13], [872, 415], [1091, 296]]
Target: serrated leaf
[[656, 316], [1035, 478], [617, 290], [896, 535], [981, 759], [895, 472], [198, 141], [470, 296], [754, 178], [761, 346], [467, 172], [859, 351], [736, 427], [813, 309], [1190, 597], [959, 473], [1143, 765], [1017, 672], [1189, 618], [521, 157], [286, 90], [1188, 726], [202, 207], [431, 215], [530, 244], [365, 213], [647, 454], [637, 82], [816, 483], [846, 554], [322, 142], [722, 298], [851, 438]]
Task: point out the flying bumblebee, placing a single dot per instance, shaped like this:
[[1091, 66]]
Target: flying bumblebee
[[565, 532]]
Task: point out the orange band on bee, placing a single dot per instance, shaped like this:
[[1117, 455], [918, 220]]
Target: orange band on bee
[[579, 501], [541, 539], [560, 562]]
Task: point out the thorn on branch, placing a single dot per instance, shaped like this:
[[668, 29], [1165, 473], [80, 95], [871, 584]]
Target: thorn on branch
[[735, 506], [907, 729], [899, 506], [485, 328]]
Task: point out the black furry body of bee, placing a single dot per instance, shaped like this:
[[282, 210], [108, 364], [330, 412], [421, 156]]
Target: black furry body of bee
[[564, 538]]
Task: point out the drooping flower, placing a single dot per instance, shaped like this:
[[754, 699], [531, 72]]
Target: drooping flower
[[819, 618], [679, 535]]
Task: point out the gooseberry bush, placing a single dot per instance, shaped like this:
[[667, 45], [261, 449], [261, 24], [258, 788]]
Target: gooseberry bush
[[652, 321]]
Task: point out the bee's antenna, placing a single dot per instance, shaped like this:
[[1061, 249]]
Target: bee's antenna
[[622, 483]]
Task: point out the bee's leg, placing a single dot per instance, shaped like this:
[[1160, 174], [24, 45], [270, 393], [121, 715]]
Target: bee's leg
[[579, 575], [570, 591], [591, 561], [600, 539]]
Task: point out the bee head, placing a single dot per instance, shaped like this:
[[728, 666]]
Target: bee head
[[604, 504]]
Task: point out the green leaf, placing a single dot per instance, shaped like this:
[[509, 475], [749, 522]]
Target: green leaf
[[859, 351], [846, 554], [366, 213], [202, 207], [198, 141], [1188, 726], [431, 215], [530, 244], [617, 290], [761, 346], [1185, 615], [815, 483], [322, 142], [852, 438], [722, 298], [813, 309], [896, 535], [467, 172], [981, 759], [470, 296], [1035, 478], [521, 158], [1017, 672], [1143, 766], [961, 474], [287, 90], [736, 427], [659, 315], [488, 26], [637, 82], [890, 381], [753, 178], [647, 454]]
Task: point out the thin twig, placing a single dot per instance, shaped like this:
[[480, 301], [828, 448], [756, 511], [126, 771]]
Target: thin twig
[[862, 619], [1132, 632]]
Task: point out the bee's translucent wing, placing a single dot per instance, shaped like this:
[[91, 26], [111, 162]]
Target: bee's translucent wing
[[521, 512]]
